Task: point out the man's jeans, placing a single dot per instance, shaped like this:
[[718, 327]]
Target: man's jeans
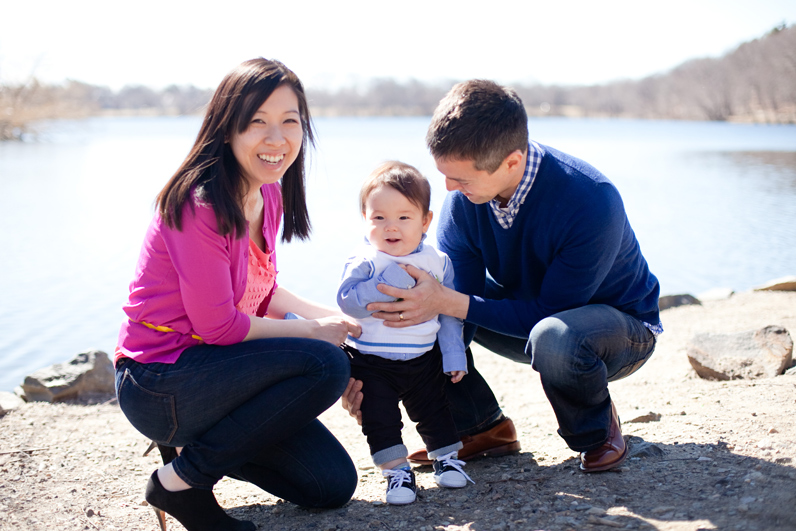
[[576, 353], [249, 411]]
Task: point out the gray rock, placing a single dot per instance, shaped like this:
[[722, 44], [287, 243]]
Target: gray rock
[[565, 520], [89, 374], [762, 353], [642, 448], [9, 402], [662, 510], [673, 301], [604, 521], [754, 476], [779, 284]]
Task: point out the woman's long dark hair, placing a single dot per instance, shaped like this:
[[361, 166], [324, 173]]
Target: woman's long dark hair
[[211, 171]]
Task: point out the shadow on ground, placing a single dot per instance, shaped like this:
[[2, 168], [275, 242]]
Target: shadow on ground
[[686, 486]]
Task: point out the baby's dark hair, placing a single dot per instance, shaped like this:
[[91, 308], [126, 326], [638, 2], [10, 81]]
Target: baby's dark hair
[[404, 178]]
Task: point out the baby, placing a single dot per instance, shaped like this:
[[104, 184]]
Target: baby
[[402, 364]]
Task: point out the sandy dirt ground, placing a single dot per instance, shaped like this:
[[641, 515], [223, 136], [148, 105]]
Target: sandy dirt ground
[[722, 455]]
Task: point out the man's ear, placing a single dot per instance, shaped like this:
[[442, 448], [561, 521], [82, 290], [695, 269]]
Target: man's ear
[[427, 221], [513, 160]]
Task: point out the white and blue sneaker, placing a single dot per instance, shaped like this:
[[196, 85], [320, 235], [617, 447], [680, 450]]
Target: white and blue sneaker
[[448, 472], [401, 487]]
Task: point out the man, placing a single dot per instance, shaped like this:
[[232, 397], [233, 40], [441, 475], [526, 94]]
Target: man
[[548, 272]]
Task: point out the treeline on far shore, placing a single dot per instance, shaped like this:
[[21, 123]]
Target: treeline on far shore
[[756, 82]]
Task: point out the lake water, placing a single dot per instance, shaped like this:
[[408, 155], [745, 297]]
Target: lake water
[[713, 205]]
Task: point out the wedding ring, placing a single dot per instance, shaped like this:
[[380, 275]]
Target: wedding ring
[[401, 316]]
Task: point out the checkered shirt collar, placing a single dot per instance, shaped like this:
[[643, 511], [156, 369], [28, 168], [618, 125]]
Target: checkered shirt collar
[[506, 215]]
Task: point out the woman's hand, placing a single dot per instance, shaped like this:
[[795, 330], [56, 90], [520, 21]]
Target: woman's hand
[[335, 329], [456, 376], [423, 302], [332, 329]]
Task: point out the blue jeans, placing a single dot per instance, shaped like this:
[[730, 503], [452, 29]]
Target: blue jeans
[[576, 353], [248, 411]]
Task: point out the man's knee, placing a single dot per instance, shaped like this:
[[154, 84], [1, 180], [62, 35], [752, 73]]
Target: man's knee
[[552, 346]]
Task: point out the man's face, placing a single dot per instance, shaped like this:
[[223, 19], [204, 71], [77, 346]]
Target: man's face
[[479, 186]]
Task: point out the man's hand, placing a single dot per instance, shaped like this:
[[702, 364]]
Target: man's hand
[[418, 304], [352, 399], [456, 376]]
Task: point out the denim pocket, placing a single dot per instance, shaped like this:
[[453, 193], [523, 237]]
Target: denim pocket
[[153, 414]]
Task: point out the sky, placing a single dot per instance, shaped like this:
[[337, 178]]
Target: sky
[[339, 43]]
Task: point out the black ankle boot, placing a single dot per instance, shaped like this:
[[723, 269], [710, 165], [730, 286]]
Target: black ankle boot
[[196, 509], [167, 453]]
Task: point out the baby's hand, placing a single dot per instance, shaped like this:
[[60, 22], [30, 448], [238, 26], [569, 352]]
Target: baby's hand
[[456, 376]]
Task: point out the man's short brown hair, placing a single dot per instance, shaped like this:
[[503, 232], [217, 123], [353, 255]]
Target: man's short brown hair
[[404, 178], [481, 121]]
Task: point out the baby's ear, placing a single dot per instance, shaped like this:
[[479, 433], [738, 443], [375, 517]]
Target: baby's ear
[[427, 220]]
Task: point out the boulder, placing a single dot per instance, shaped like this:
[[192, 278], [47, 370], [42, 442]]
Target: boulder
[[9, 402], [779, 284], [88, 375], [673, 301], [762, 353]]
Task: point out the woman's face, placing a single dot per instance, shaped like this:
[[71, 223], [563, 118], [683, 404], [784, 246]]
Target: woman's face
[[271, 142]]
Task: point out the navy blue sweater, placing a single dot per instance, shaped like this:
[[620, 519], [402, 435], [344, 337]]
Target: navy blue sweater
[[570, 245]]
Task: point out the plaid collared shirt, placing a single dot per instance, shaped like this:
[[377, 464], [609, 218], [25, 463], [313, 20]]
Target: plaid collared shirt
[[507, 214]]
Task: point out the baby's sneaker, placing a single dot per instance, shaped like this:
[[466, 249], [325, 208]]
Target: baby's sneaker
[[401, 487], [448, 471]]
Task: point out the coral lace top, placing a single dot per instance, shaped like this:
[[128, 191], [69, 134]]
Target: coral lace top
[[259, 280]]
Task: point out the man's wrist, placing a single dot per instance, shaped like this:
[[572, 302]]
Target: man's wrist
[[455, 304]]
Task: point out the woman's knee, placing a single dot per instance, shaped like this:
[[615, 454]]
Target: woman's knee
[[325, 363], [341, 491], [337, 367], [332, 485]]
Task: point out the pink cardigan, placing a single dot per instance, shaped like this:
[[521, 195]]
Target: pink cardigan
[[190, 281]]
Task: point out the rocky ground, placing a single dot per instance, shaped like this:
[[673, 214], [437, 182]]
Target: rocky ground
[[707, 455]]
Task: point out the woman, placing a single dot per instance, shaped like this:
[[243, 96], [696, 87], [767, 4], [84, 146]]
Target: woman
[[197, 365]]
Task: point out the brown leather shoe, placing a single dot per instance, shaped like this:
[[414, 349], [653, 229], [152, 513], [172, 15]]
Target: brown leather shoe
[[611, 454], [498, 441]]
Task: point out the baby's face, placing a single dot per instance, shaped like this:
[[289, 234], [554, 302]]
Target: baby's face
[[395, 225]]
